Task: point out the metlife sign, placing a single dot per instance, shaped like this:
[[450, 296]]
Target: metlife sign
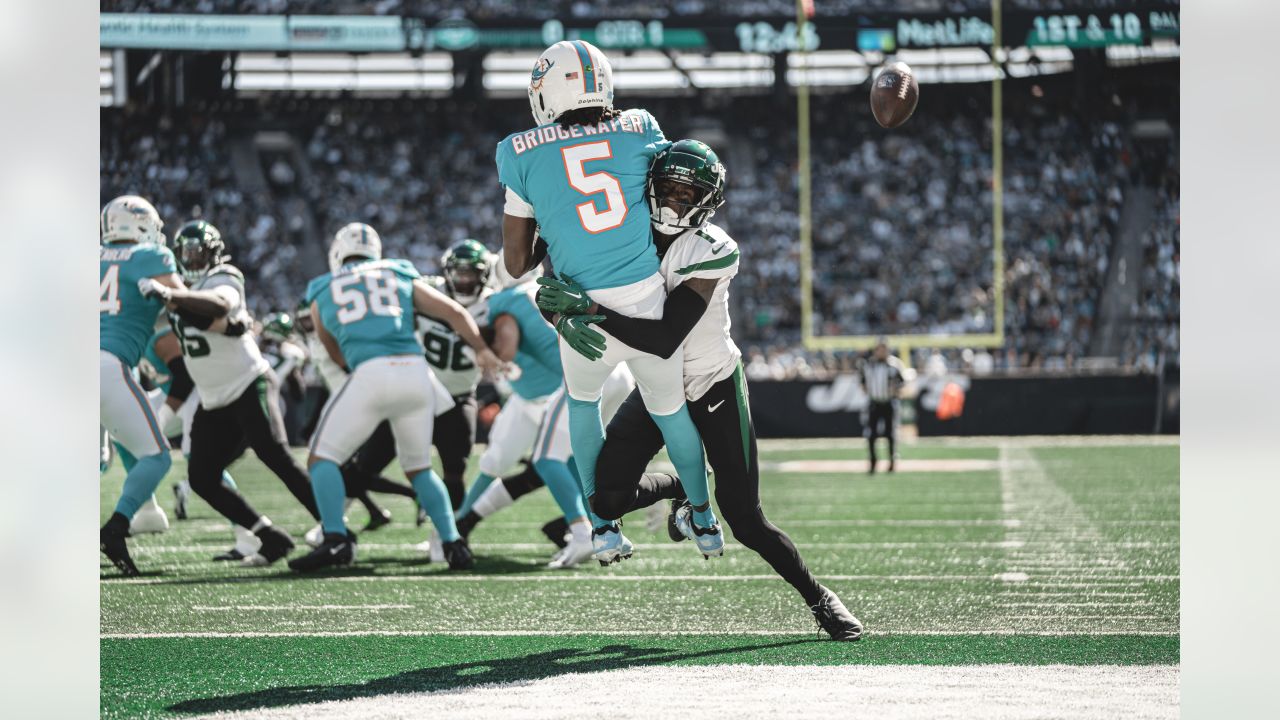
[[945, 32]]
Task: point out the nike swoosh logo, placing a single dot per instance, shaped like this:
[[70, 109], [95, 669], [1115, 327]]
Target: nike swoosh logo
[[712, 408], [335, 550], [716, 250]]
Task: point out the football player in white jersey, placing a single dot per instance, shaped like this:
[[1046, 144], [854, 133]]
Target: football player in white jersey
[[686, 186], [239, 393]]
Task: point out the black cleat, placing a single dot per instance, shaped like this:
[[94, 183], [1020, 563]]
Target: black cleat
[[232, 554], [276, 544], [673, 530], [111, 542], [893, 461], [378, 520], [458, 555], [336, 551], [835, 618], [554, 530], [467, 523]]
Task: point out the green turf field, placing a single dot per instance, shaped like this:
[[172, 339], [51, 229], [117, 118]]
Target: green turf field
[[983, 569]]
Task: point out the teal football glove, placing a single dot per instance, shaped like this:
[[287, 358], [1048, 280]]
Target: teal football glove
[[565, 297], [578, 333]]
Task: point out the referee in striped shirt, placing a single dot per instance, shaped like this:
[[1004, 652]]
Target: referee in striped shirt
[[881, 378]]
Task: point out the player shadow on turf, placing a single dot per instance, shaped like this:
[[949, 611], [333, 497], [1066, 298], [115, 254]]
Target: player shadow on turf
[[484, 566], [460, 676]]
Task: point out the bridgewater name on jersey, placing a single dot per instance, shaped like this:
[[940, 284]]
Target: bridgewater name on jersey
[[368, 308], [586, 188], [126, 320], [222, 367], [538, 355], [710, 354]]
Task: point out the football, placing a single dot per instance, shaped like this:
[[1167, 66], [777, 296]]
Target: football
[[894, 94]]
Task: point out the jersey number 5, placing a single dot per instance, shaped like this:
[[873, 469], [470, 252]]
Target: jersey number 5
[[594, 221], [379, 289]]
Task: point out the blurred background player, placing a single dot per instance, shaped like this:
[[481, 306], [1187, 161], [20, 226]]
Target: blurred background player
[[699, 260], [133, 258], [580, 177], [363, 312], [239, 393], [881, 379]]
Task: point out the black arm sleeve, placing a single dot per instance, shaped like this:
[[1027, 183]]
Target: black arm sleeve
[[539, 252], [181, 383], [683, 309], [199, 322]]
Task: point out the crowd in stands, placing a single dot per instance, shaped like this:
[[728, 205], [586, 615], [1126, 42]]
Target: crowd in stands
[[901, 220]]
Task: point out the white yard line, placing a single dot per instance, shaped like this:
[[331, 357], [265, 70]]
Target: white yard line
[[275, 608], [616, 632], [1082, 441], [655, 547]]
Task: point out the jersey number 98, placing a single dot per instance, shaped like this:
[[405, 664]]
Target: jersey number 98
[[378, 296]]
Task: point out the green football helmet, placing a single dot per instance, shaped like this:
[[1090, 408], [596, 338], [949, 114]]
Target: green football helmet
[[302, 317], [278, 326], [467, 268], [200, 248], [692, 164]]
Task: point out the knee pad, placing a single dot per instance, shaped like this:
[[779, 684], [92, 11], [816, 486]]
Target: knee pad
[[609, 505]]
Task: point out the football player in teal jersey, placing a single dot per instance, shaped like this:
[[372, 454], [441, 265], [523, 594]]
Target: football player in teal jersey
[[579, 177], [363, 312], [133, 255], [522, 336]]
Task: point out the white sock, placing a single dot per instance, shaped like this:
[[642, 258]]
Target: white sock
[[581, 530], [263, 522], [492, 500]]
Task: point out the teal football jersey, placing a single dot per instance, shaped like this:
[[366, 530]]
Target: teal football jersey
[[155, 370], [586, 186], [538, 355], [368, 307], [126, 320]]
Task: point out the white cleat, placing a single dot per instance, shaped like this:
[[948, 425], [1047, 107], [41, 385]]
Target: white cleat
[[433, 548], [571, 554], [150, 518], [609, 545], [315, 536], [710, 541]]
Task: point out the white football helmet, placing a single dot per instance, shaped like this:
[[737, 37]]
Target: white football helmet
[[355, 239], [130, 217], [569, 75]]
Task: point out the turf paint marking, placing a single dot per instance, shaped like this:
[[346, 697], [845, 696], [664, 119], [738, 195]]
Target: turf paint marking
[[612, 632], [903, 692], [271, 608], [658, 547]]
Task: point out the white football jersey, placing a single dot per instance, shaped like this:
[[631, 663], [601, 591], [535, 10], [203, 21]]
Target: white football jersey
[[450, 357], [331, 372], [709, 352], [284, 356], [222, 367]]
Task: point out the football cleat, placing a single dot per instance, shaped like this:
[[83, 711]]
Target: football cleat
[[557, 531], [457, 553], [571, 554], [673, 529], [710, 541], [247, 544], [315, 536], [150, 518], [467, 523], [336, 550], [378, 520], [181, 494], [111, 542], [276, 544], [835, 618], [433, 548], [609, 545]]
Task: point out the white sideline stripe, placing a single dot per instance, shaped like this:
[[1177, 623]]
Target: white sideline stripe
[[619, 633], [605, 576], [222, 608], [901, 692], [787, 521]]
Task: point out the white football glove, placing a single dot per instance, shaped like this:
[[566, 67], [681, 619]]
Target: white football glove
[[150, 287]]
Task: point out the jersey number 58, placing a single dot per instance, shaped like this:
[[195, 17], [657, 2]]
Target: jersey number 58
[[378, 295]]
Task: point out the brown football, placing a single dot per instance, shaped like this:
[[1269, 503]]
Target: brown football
[[894, 94]]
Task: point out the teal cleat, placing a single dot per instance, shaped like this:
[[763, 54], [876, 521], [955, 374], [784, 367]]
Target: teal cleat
[[710, 541], [609, 545]]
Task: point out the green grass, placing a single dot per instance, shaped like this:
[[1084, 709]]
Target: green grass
[[1062, 555]]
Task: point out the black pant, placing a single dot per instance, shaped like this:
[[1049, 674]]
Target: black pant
[[220, 436], [881, 421], [723, 418], [453, 435]]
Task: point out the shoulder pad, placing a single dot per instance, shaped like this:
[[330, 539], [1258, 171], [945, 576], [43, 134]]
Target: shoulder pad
[[227, 269]]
